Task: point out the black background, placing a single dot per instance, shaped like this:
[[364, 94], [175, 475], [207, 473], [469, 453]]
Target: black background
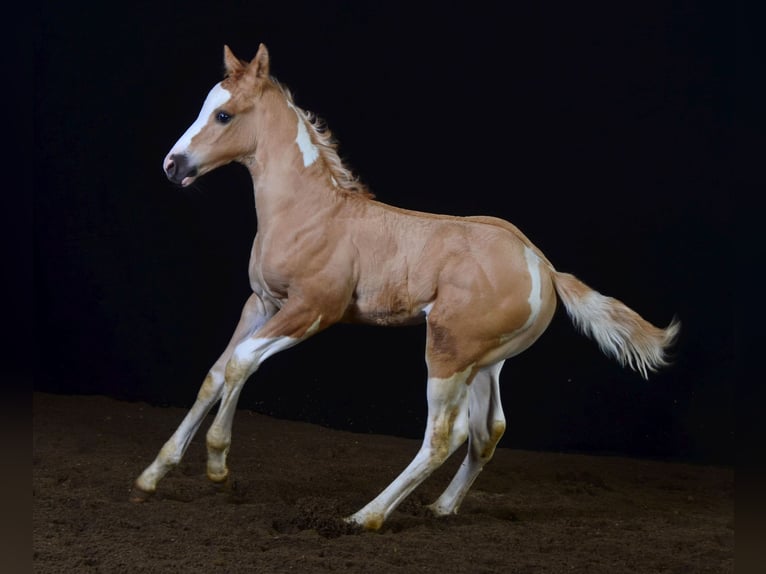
[[599, 129]]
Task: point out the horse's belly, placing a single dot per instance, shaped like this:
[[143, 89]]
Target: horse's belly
[[387, 312]]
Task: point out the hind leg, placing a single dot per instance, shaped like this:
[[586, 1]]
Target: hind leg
[[254, 314], [486, 425], [445, 432]]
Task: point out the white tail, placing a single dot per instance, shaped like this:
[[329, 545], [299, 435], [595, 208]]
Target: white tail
[[619, 331]]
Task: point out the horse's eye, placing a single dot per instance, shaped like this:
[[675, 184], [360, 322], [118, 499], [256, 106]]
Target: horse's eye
[[223, 118]]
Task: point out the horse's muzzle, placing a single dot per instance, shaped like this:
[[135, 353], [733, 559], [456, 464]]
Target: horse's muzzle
[[179, 170]]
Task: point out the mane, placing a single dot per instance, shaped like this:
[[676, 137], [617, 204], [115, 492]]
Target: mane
[[327, 145]]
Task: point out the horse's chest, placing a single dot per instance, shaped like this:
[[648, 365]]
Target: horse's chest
[[270, 275]]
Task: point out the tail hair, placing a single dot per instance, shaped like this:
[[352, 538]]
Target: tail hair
[[620, 332]]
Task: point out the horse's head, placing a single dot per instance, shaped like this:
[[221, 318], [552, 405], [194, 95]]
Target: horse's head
[[223, 131]]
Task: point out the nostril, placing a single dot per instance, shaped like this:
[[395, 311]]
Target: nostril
[[170, 168]]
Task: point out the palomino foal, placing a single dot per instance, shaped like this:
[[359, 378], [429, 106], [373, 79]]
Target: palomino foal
[[326, 252]]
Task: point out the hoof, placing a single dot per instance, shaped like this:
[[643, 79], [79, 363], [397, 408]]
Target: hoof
[[370, 523], [439, 511], [220, 481], [139, 495]]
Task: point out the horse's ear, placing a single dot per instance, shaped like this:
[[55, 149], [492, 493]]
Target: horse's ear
[[260, 64], [231, 63]]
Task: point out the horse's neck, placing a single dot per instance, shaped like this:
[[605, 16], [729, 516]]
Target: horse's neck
[[283, 184], [280, 193]]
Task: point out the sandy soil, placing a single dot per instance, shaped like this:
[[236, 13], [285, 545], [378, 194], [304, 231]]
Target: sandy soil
[[291, 482]]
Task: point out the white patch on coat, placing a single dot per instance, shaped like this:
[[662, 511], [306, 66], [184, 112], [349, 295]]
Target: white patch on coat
[[303, 139], [535, 292], [258, 349]]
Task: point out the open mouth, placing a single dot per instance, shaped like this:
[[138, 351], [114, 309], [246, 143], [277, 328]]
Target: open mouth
[[188, 178]]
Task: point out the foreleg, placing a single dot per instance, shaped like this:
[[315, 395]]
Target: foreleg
[[291, 325], [254, 315]]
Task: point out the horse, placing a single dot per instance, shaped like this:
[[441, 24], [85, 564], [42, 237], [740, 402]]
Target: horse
[[326, 251]]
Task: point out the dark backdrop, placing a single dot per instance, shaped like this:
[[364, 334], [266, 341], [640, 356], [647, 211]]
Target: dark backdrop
[[599, 129]]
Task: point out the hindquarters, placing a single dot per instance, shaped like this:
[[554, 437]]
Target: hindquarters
[[492, 303]]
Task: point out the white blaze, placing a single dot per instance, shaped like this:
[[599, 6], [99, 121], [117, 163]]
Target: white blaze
[[307, 147], [217, 97]]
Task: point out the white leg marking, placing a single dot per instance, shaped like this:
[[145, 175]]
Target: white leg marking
[[251, 352], [245, 360], [486, 426], [303, 139], [254, 314], [446, 430], [173, 450]]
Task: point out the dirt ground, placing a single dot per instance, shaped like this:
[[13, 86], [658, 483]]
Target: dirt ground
[[291, 483]]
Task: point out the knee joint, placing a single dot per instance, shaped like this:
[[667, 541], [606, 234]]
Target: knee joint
[[235, 370], [170, 453], [209, 389], [216, 439]]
